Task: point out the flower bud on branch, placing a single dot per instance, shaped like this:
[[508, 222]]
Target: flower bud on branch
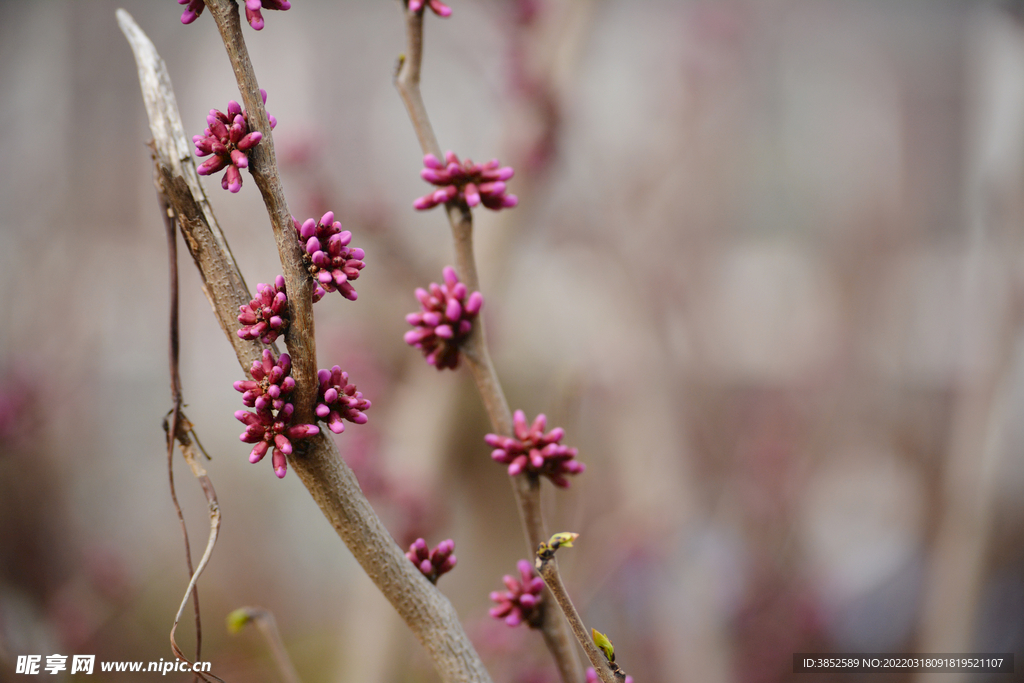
[[271, 424], [472, 183], [445, 321], [265, 318], [338, 400], [522, 602], [432, 563], [229, 140], [331, 262], [534, 452]]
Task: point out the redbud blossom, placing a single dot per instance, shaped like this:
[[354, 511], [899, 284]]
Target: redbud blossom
[[339, 400], [265, 316], [432, 563], [271, 382], [534, 452], [440, 9], [229, 140], [329, 259], [472, 183], [271, 425], [445, 321], [522, 601]]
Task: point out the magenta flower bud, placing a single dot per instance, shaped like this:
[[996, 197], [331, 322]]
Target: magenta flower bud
[[439, 8], [424, 203], [213, 164], [436, 6], [432, 564], [239, 159], [471, 194], [522, 601], [474, 303], [535, 453], [445, 321], [262, 319], [333, 267], [270, 427], [495, 188], [229, 138], [254, 10], [192, 12], [338, 400], [249, 141], [473, 183]]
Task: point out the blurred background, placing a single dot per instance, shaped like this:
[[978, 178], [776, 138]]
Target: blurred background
[[767, 272]]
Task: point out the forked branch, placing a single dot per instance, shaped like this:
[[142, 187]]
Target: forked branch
[[425, 610]]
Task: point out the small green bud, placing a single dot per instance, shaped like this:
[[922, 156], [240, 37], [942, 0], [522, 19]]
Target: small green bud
[[237, 620], [564, 538], [603, 644]]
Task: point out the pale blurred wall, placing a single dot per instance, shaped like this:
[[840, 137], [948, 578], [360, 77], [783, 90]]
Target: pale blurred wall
[[766, 272]]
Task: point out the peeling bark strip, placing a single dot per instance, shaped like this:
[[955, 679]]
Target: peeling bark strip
[[425, 610]]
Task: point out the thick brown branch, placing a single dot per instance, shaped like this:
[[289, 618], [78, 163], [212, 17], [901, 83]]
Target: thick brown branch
[[263, 167], [425, 610], [527, 490]]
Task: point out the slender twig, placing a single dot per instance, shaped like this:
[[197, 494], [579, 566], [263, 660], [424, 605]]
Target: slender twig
[[267, 625], [427, 612], [188, 451], [172, 429], [547, 567], [525, 486]]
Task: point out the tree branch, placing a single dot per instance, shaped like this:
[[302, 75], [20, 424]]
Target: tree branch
[[263, 166], [425, 610], [525, 486], [547, 567]]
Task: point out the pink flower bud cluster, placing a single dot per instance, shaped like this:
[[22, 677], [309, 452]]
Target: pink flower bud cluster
[[264, 317], [229, 140], [271, 424], [534, 452], [522, 601], [445, 321], [439, 8], [253, 10], [432, 563], [592, 676], [339, 400], [331, 262], [474, 183]]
